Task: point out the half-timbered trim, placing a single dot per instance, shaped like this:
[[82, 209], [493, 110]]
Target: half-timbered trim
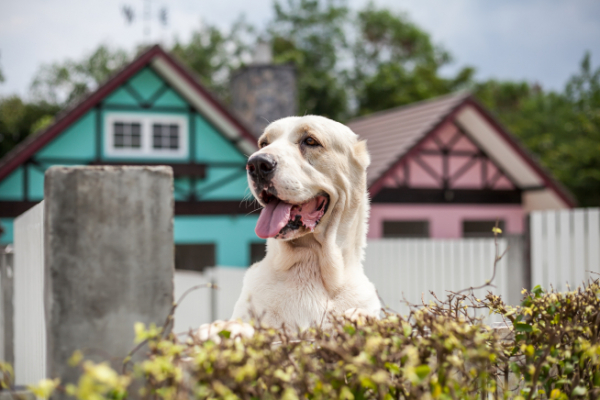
[[12, 209], [223, 207], [179, 170]]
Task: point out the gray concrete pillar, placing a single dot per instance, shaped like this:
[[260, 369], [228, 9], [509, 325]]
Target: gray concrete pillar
[[108, 259]]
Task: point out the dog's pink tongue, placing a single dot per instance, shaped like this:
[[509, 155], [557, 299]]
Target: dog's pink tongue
[[272, 219]]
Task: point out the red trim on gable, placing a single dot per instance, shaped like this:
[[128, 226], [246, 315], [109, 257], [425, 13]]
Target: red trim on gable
[[26, 149], [549, 181], [469, 101]]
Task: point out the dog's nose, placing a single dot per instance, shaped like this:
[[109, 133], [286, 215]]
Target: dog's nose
[[261, 165]]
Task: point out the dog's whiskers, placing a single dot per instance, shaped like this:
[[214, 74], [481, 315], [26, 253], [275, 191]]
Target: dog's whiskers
[[260, 208]]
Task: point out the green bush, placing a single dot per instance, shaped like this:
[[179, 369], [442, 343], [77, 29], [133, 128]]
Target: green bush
[[549, 349]]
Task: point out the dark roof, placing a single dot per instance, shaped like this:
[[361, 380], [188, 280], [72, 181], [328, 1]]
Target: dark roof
[[392, 133], [28, 147]]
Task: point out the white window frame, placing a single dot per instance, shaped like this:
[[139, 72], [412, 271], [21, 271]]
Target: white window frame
[[146, 149]]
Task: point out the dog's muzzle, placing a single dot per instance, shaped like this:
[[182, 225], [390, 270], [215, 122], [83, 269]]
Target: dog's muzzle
[[261, 167]]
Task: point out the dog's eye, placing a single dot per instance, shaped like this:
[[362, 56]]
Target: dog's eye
[[263, 144], [309, 141]]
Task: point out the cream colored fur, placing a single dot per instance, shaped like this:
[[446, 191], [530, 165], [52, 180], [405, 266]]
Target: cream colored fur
[[303, 278], [310, 275]]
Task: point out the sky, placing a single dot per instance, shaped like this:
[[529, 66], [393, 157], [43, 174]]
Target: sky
[[539, 41]]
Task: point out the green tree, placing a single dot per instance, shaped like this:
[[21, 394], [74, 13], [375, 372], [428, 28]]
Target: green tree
[[311, 35], [214, 54], [64, 82], [18, 119], [561, 128], [396, 63]]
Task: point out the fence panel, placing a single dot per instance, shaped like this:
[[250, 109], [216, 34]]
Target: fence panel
[[195, 309], [408, 269], [565, 247], [230, 281], [29, 314], [205, 305], [593, 248]]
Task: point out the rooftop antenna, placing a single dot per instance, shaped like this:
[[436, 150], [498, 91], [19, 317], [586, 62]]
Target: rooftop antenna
[[130, 14]]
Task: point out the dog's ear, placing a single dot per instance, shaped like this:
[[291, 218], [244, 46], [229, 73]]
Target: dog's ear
[[361, 154]]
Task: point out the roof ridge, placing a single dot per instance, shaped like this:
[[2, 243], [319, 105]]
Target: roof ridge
[[458, 94]]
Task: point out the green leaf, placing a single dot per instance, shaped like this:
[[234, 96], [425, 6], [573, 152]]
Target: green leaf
[[523, 327], [393, 368], [514, 367], [225, 334], [422, 371], [579, 391]]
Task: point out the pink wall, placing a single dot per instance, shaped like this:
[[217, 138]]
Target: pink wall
[[445, 221]]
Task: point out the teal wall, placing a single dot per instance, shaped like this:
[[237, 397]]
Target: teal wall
[[225, 175], [7, 225], [232, 235], [11, 187]]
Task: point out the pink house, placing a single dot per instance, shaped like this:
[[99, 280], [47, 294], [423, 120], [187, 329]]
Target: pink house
[[445, 168]]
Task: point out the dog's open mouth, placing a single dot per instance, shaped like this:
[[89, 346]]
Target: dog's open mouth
[[278, 216]]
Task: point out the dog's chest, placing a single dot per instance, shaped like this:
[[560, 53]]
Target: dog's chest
[[297, 296]]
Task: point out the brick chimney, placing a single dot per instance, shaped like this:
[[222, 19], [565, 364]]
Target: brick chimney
[[263, 92]]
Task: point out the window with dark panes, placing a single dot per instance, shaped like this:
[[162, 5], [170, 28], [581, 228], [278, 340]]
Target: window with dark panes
[[127, 135], [194, 257], [406, 229], [258, 251], [165, 136], [480, 228]]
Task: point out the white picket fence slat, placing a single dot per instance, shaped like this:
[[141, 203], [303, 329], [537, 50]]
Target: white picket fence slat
[[194, 310], [29, 314], [593, 249], [409, 269], [204, 305], [565, 247]]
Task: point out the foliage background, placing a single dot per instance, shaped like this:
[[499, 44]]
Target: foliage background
[[351, 63]]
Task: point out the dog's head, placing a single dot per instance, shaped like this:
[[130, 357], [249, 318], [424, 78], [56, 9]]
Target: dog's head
[[305, 165]]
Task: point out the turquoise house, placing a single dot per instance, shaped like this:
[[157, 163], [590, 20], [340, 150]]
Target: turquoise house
[[153, 112]]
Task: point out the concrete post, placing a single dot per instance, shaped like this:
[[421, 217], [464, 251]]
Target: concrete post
[[108, 260]]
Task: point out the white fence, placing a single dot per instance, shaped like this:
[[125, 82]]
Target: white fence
[[205, 305], [399, 268], [565, 247], [29, 315], [409, 269]]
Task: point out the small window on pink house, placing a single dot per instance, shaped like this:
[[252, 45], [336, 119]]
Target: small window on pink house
[[405, 229], [480, 229]]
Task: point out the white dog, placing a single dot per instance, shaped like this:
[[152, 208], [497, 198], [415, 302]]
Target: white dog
[[310, 177]]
